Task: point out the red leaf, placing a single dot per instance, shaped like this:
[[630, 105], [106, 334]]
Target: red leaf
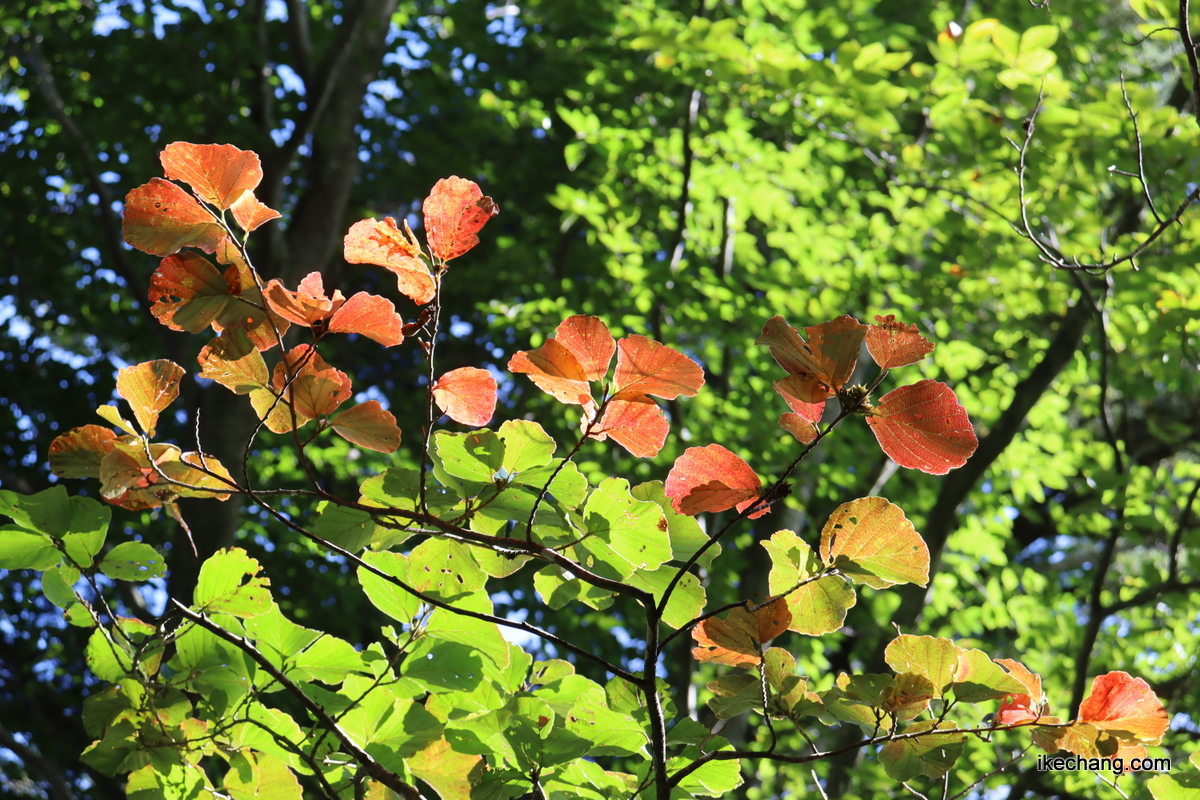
[[923, 427], [188, 293], [307, 305], [893, 344], [645, 366], [737, 640], [368, 425], [250, 212], [1120, 702], [556, 371], [801, 421], [384, 245], [78, 453], [637, 425], [219, 173], [712, 479], [804, 431], [149, 388], [160, 218], [1016, 709], [824, 363], [590, 342], [467, 395], [454, 212], [370, 315]]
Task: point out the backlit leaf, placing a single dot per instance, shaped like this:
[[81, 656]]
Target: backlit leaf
[[623, 533], [556, 371], [645, 366], [307, 305], [368, 425], [712, 478], [229, 583], [937, 659], [824, 363], [454, 212], [451, 774], [893, 344], [251, 213], [149, 388], [219, 173], [590, 342], [383, 244], [78, 453], [315, 388], [931, 755], [801, 421], [818, 606], [133, 561], [977, 678], [871, 541], [371, 316], [160, 218], [467, 395], [1021, 706], [737, 639], [1126, 705], [233, 361], [637, 425], [922, 426]]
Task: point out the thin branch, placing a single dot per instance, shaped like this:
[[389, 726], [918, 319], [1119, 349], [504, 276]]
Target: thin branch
[[1137, 149], [1189, 47], [373, 767]]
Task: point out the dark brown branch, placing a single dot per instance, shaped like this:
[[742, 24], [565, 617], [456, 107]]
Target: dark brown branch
[[372, 767], [300, 41], [1189, 47]]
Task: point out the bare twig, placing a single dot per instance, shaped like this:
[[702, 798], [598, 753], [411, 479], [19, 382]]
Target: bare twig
[[1189, 47]]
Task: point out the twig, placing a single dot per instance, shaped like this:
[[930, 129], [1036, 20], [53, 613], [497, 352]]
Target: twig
[[1189, 47]]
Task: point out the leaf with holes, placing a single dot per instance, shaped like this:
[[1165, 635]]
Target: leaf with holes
[[160, 218], [385, 245], [824, 363], [818, 602], [893, 344], [467, 395], [923, 427], [647, 367], [229, 583], [219, 173], [870, 541], [454, 212], [712, 478], [149, 388], [637, 425], [1125, 705], [738, 639], [368, 425]]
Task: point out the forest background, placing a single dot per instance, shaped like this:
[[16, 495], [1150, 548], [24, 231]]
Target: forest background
[[1014, 178]]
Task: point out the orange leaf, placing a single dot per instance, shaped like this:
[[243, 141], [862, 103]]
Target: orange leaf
[[315, 388], [149, 388], [1030, 680], [893, 344], [368, 425], [824, 363], [160, 218], [590, 342], [556, 371], [233, 361], [870, 541], [78, 452], [801, 421], [384, 245], [638, 425], [923, 427], [371, 316], [804, 431], [454, 212], [219, 173], [250, 212], [1124, 704], [712, 479], [737, 640], [306, 306], [645, 366], [467, 395]]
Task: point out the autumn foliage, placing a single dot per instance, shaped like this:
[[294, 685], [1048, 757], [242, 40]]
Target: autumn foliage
[[483, 506]]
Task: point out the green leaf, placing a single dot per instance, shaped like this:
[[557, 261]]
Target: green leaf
[[444, 569], [556, 588], [113, 654], [384, 595], [277, 637], [348, 528], [818, 606], [58, 585], [23, 549], [568, 489], [441, 666], [474, 456], [390, 729], [687, 598], [977, 678], [608, 732], [479, 634], [714, 779], [1185, 786], [686, 535], [735, 695], [47, 512], [260, 776], [623, 534], [329, 660], [167, 777], [133, 561], [89, 526], [526, 446], [931, 756], [928, 656], [229, 583]]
